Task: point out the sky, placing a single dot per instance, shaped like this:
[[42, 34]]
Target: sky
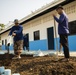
[[18, 9]]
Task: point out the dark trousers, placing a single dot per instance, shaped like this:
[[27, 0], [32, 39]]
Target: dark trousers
[[64, 42], [27, 48]]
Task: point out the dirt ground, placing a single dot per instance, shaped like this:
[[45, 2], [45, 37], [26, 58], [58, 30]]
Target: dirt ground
[[40, 66]]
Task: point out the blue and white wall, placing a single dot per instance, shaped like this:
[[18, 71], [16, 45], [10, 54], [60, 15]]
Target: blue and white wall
[[4, 37], [41, 24]]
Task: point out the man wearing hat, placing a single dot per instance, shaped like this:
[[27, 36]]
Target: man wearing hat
[[17, 32], [63, 31]]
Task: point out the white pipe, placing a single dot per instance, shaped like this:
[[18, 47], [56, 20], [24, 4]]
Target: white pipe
[[16, 74], [7, 72], [2, 69], [2, 74], [10, 40]]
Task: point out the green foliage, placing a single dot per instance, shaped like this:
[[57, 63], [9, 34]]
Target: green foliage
[[2, 26]]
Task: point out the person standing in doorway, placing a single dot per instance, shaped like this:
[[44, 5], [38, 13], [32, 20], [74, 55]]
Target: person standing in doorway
[[63, 31], [25, 42], [17, 32]]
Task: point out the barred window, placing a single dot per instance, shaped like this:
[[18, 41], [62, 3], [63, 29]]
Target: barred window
[[37, 35], [5, 41], [2, 42], [72, 27]]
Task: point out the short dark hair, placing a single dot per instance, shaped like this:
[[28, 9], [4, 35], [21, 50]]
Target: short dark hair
[[59, 7]]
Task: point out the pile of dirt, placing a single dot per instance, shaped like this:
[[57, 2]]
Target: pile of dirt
[[40, 66]]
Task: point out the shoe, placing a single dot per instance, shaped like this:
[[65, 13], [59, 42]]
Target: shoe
[[60, 52], [17, 57], [65, 60]]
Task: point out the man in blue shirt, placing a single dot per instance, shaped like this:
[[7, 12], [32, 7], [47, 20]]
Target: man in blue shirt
[[63, 30], [17, 32]]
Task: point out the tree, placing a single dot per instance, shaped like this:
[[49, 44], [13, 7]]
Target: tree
[[2, 26]]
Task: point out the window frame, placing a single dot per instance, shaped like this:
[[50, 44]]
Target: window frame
[[2, 42], [36, 35], [72, 27]]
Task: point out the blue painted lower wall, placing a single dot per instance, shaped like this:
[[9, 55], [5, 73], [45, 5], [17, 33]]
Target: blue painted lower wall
[[42, 44], [72, 43], [5, 47], [56, 44]]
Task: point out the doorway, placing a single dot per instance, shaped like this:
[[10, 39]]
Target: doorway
[[50, 38]]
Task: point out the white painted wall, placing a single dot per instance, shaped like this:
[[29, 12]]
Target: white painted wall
[[4, 36]]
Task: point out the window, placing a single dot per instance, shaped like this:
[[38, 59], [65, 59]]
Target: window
[[72, 27], [36, 35], [2, 42], [5, 41], [6, 44]]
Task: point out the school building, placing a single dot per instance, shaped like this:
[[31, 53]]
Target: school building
[[40, 29]]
